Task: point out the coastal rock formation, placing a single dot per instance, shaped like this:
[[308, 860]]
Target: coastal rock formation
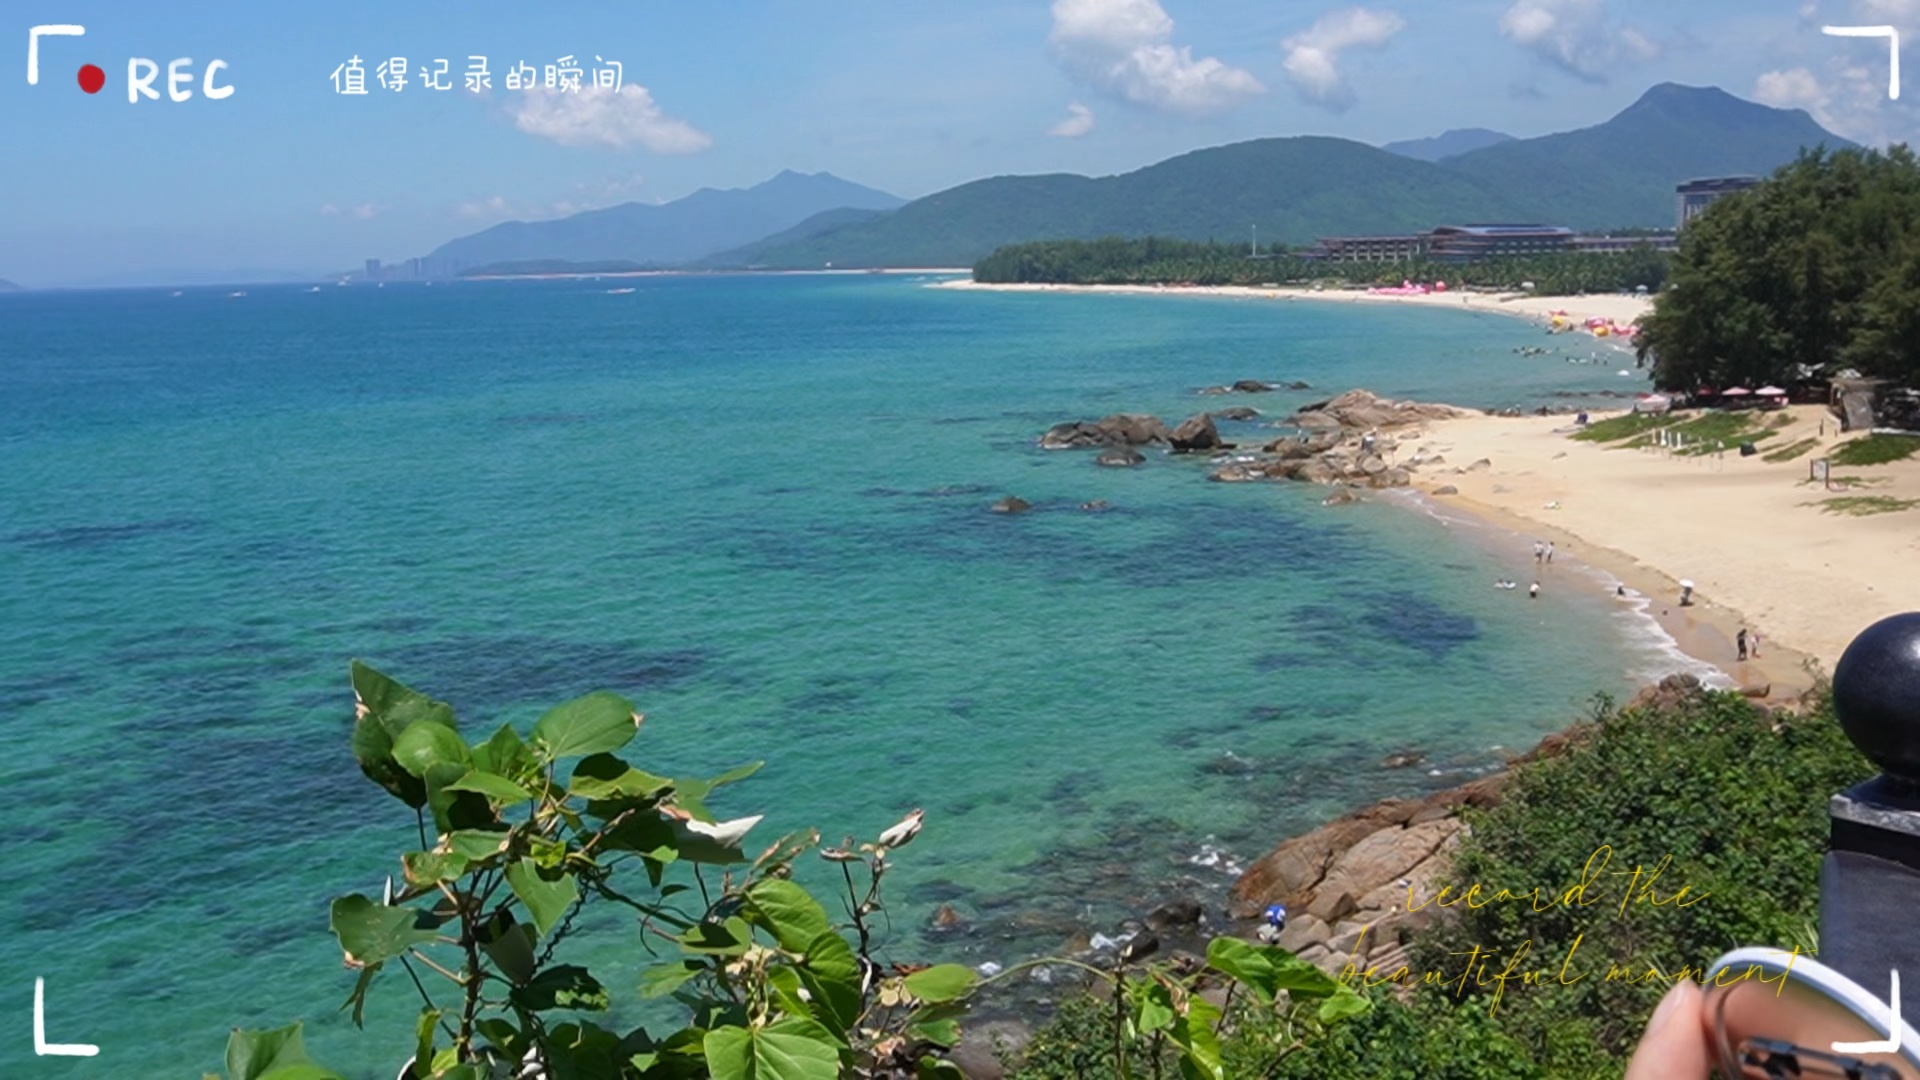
[[1122, 429], [1360, 410], [1240, 413], [1120, 457], [1196, 433], [1012, 504], [1253, 386], [1446, 489]]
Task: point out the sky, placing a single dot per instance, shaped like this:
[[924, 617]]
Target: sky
[[286, 173]]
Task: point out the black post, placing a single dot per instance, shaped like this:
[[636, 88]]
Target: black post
[[1870, 879]]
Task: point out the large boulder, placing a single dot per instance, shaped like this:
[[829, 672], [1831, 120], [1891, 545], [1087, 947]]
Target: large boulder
[[1120, 457], [1012, 504], [1238, 413], [1196, 434], [1120, 429], [1360, 410]]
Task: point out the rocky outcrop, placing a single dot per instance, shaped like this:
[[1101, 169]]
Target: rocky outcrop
[[1012, 504], [1120, 457], [1121, 429], [1360, 410], [1196, 434], [1239, 413]]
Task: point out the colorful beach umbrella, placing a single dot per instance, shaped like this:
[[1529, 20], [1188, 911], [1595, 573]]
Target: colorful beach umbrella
[[1737, 391], [1771, 391]]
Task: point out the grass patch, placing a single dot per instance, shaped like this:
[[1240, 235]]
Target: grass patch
[[1789, 453], [1866, 505], [1616, 428], [1877, 450]]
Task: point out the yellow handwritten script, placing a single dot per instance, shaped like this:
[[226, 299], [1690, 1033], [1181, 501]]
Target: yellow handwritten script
[[1484, 969], [1642, 888]]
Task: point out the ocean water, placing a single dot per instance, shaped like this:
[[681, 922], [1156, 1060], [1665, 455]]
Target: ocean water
[[758, 507]]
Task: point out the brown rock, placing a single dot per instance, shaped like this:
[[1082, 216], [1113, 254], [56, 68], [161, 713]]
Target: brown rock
[[1196, 433], [1303, 932], [946, 918], [1012, 504], [1446, 489], [1120, 457]]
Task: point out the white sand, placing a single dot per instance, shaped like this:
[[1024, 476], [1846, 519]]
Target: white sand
[[1749, 534], [1622, 309]]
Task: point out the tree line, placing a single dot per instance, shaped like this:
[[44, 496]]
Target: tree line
[[1161, 261], [1816, 270]]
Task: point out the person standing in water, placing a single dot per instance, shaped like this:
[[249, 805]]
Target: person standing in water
[[1740, 645], [1549, 553], [1533, 591]]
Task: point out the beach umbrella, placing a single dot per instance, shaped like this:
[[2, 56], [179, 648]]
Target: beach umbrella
[[1737, 391], [1771, 391]]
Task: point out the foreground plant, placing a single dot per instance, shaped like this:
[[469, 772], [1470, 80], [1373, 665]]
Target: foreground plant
[[526, 834]]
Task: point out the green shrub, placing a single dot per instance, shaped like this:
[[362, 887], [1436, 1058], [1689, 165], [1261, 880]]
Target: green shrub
[[1877, 450], [1738, 802]]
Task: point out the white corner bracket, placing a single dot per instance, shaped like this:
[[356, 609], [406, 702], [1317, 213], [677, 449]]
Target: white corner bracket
[[1893, 83], [43, 1048], [1892, 1043], [34, 34]]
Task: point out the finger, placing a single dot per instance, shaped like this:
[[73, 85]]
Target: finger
[[1675, 1044]]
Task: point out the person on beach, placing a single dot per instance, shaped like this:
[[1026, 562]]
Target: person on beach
[[1539, 551], [1753, 645], [1740, 645], [1533, 592], [1549, 553]]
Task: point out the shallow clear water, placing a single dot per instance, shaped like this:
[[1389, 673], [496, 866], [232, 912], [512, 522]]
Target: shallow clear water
[[757, 506]]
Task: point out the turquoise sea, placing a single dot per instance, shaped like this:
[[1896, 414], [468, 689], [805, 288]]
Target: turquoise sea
[[758, 507]]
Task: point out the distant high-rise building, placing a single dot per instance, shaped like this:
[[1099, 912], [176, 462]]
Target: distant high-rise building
[[373, 268], [1697, 195]]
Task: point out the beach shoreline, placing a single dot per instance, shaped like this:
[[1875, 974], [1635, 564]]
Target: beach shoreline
[[1619, 308]]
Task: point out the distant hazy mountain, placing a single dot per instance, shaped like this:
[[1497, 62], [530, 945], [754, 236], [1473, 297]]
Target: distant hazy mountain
[[754, 254], [8, 286], [1623, 172], [1450, 144], [1293, 190], [681, 231]]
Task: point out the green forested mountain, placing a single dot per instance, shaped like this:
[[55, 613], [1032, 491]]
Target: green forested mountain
[[1623, 172], [1620, 173]]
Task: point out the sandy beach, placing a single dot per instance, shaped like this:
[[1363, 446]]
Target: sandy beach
[[1751, 535], [1619, 308], [1762, 551]]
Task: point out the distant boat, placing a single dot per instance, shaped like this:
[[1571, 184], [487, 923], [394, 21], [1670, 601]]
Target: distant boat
[[237, 292], [316, 288], [618, 292], [177, 292]]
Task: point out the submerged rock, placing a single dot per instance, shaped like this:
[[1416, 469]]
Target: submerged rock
[[1120, 429], [1120, 457], [1012, 504]]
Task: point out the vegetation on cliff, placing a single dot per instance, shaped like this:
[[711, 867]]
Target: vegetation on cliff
[[1696, 825]]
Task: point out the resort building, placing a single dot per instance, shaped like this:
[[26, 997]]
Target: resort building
[[1472, 243], [1696, 195]]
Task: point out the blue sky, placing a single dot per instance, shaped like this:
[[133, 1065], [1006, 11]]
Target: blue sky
[[911, 97]]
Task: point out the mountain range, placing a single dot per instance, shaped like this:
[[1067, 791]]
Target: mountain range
[[668, 234], [1294, 190], [1448, 144]]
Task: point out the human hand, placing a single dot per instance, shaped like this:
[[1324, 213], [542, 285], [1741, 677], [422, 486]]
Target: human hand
[[1677, 1044]]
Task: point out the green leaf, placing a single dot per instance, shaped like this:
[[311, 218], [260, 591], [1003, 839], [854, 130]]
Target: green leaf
[[371, 933], [603, 776], [937, 1069], [1193, 1033], [423, 1034], [256, 1055], [425, 744], [383, 709], [476, 845], [831, 973], [424, 868], [730, 938], [1153, 1007], [691, 795], [509, 944], [563, 987], [661, 980], [506, 754], [547, 901], [598, 723], [499, 790], [1268, 969], [937, 1024], [788, 912], [1344, 1005], [942, 982], [793, 1048]]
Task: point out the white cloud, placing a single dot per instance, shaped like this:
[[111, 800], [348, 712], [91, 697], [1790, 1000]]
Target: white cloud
[[1125, 48], [603, 116], [1576, 36], [495, 207], [1796, 88], [1313, 58], [1079, 121]]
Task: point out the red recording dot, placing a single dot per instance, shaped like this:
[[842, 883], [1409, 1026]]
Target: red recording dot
[[92, 78]]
